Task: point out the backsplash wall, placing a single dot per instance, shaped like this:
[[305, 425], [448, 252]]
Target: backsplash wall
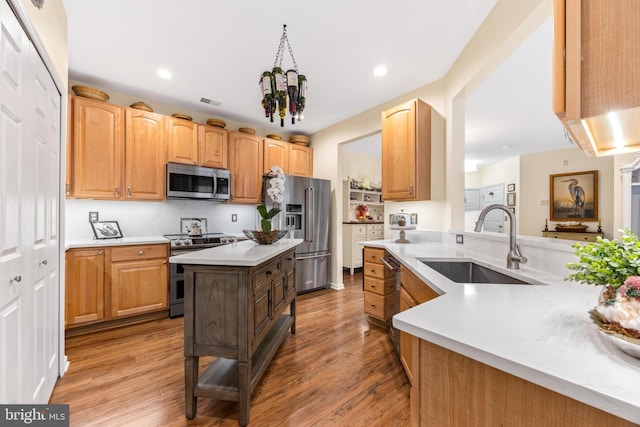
[[140, 219]]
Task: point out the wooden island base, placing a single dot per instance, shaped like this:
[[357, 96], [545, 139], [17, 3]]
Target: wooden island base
[[450, 389], [236, 314]]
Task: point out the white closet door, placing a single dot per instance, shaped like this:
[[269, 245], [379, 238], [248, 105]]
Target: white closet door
[[29, 181]]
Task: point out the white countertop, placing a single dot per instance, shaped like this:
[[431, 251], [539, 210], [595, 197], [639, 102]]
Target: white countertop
[[71, 244], [246, 253], [541, 333]]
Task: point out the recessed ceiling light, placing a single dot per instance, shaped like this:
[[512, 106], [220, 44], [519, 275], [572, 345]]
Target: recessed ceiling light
[[380, 71], [165, 74]]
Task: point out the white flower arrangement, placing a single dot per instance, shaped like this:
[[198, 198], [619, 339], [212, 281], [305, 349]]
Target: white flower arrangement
[[275, 193]]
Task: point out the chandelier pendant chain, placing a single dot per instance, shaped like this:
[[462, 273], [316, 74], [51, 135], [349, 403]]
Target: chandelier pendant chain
[[280, 53]]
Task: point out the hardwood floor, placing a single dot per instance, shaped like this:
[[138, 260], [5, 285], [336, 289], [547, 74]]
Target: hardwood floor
[[337, 370]]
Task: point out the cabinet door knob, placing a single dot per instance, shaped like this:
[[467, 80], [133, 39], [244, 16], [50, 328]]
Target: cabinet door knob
[[100, 252], [16, 279], [268, 273], [140, 253], [128, 191], [117, 192], [43, 262]]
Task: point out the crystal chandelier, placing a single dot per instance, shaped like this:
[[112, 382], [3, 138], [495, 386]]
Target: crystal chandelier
[[286, 90]]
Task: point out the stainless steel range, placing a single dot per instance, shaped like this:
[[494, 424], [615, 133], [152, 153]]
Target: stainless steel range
[[189, 241]]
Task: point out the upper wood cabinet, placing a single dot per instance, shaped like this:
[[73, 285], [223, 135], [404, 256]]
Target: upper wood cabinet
[[195, 144], [246, 157], [595, 72], [212, 143], [276, 153], [300, 160], [182, 141], [412, 152], [145, 159], [98, 149], [117, 153], [294, 159]]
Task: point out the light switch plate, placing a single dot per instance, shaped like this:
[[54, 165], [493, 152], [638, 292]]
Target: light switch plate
[[234, 217], [93, 216]]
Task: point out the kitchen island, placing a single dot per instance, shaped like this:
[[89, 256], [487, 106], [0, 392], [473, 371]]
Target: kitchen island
[[235, 301], [536, 343]]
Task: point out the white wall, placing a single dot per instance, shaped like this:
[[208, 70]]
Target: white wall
[[534, 187], [137, 219], [359, 165]]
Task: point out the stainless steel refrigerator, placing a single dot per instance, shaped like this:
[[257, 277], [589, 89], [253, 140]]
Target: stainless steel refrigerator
[[306, 213]]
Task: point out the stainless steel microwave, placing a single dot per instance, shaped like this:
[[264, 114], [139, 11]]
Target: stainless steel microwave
[[193, 182]]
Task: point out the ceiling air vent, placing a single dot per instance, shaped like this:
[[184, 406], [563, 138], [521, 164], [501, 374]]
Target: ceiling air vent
[[211, 101]]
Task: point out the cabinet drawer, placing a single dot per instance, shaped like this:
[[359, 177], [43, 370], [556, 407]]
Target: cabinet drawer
[[266, 273], [288, 261], [375, 235], [381, 307], [130, 253], [379, 286], [359, 230], [375, 227], [373, 254]]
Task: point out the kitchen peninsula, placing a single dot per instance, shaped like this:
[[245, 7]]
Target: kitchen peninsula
[[235, 301], [520, 350]]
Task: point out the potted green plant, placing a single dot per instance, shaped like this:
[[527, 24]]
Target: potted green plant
[[615, 265], [266, 234]]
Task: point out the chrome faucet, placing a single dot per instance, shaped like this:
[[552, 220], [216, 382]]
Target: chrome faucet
[[514, 258]]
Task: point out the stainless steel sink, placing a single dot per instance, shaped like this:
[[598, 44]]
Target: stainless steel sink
[[466, 271]]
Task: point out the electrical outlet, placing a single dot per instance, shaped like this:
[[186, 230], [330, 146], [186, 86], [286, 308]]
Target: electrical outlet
[[234, 217], [93, 216], [414, 218], [460, 239]]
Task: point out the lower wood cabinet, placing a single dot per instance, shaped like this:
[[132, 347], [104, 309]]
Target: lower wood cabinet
[[84, 292], [137, 276], [413, 291], [450, 389], [381, 299], [114, 282]]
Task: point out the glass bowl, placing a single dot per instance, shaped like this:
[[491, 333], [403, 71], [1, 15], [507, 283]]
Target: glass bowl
[[263, 238]]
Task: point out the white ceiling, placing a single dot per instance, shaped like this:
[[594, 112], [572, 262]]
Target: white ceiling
[[218, 50]]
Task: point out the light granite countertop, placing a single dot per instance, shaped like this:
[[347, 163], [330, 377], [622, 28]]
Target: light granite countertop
[[541, 333], [88, 243], [246, 253]]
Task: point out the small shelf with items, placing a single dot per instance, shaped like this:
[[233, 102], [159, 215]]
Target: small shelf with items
[[362, 204]]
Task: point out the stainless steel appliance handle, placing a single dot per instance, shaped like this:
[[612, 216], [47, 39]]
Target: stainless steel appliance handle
[[387, 263], [313, 256], [309, 214]]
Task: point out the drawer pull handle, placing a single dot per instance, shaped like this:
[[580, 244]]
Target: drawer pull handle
[[373, 305], [268, 273], [16, 279], [373, 286], [140, 253], [100, 252]]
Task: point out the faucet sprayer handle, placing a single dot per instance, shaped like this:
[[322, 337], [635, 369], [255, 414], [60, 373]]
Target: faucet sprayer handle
[[522, 259]]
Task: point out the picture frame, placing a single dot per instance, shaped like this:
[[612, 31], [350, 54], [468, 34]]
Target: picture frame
[[511, 187], [511, 199], [106, 230], [574, 196]]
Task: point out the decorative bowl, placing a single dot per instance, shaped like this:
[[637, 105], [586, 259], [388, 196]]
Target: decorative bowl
[[299, 139], [141, 106], [574, 228], [182, 116], [616, 335], [247, 130], [629, 345], [216, 122], [263, 238], [90, 92], [275, 136]]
